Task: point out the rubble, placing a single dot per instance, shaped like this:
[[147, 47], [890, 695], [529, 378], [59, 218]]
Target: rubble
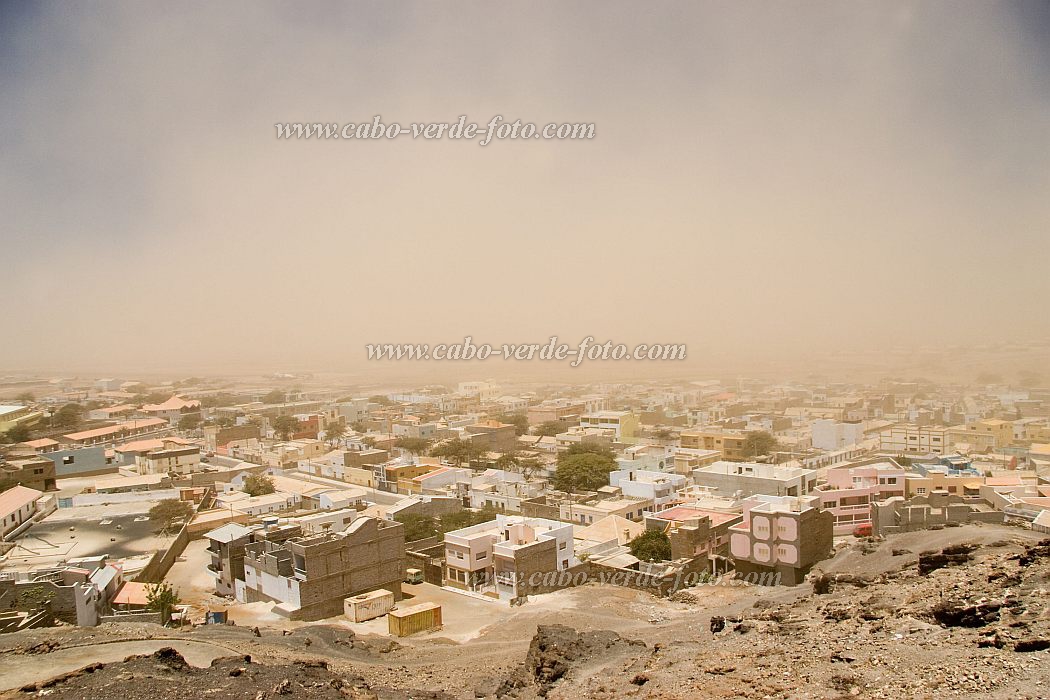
[[556, 649]]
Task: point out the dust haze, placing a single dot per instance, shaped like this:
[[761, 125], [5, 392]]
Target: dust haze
[[773, 185]]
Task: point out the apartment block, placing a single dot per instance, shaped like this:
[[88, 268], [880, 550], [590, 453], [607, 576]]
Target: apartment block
[[498, 558], [983, 435], [171, 458], [915, 439], [729, 443], [750, 478], [781, 536], [624, 424], [833, 435], [308, 577], [555, 412], [850, 491], [226, 546], [493, 436]]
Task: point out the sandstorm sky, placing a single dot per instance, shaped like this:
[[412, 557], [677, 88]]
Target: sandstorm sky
[[765, 178]]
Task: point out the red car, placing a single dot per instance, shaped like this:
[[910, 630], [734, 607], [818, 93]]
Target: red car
[[862, 530]]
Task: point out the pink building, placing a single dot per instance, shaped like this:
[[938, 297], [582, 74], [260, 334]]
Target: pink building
[[850, 490], [782, 536]]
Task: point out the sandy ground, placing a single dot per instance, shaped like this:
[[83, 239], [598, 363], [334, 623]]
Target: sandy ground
[[18, 670], [484, 639]]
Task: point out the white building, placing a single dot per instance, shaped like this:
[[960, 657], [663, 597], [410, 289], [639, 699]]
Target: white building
[[171, 458], [834, 435], [501, 555], [750, 478], [659, 487], [17, 505]]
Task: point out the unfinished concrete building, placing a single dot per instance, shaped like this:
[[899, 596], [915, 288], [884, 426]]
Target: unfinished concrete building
[[939, 509], [227, 545], [308, 577]]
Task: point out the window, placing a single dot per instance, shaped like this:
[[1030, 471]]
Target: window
[[561, 545], [483, 555], [921, 490], [68, 459]]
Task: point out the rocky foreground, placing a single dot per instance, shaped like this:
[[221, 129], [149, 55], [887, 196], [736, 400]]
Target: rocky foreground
[[958, 621]]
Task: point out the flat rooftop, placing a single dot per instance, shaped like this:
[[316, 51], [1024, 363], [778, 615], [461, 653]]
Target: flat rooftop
[[117, 530], [683, 513], [756, 470]]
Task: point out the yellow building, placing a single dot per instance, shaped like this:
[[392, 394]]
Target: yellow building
[[983, 435], [955, 484], [623, 423], [1037, 433], [10, 416], [729, 443]]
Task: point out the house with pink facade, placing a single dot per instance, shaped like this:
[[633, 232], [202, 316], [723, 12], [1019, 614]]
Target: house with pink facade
[[850, 490], [780, 538]]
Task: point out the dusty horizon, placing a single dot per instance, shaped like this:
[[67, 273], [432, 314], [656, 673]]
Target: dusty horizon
[[774, 186]]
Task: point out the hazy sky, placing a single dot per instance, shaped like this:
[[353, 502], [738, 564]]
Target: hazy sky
[[764, 178]]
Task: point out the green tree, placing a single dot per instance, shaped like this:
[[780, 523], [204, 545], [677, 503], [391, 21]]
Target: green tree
[[26, 397], [417, 527], [416, 446], [549, 428], [586, 471], [589, 448], [651, 545], [334, 430], [275, 396], [507, 462], [285, 426], [458, 451], [190, 421], [520, 422], [217, 400], [381, 400], [19, 433], [169, 512], [69, 416], [447, 522], [258, 485], [759, 442], [162, 598]]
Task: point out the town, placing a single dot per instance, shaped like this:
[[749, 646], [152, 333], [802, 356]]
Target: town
[[561, 350], [440, 512]]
